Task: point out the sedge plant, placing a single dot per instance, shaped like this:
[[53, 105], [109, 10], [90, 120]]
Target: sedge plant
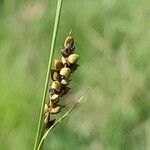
[[62, 69]]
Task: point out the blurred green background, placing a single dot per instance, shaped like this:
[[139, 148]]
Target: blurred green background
[[113, 40]]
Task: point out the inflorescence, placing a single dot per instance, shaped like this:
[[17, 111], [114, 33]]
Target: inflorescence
[[60, 76]]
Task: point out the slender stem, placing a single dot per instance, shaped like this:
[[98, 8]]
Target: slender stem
[[41, 118], [58, 121]]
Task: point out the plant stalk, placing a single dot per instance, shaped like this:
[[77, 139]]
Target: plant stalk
[[40, 130], [59, 121]]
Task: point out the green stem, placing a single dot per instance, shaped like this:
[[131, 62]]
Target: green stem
[[41, 118], [58, 121]]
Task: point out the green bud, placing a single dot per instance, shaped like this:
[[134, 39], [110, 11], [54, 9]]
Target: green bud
[[73, 58], [65, 72], [56, 86]]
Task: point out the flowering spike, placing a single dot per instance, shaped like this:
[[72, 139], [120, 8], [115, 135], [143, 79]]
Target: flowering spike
[[60, 76]]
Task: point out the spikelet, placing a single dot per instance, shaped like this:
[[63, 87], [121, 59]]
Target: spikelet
[[60, 75]]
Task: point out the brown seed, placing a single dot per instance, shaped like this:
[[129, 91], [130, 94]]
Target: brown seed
[[64, 52], [69, 42], [67, 51], [58, 65]]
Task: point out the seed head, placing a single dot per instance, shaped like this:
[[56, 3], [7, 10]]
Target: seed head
[[60, 76]]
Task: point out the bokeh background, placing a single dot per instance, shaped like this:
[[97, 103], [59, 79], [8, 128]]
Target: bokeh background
[[113, 40]]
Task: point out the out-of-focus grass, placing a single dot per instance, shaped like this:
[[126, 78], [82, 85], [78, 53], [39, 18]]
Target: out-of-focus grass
[[112, 38]]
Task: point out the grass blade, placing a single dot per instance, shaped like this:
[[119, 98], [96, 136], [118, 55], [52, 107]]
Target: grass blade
[[40, 124]]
